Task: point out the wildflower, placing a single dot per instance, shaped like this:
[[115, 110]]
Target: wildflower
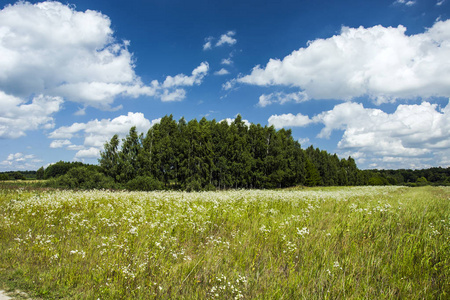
[[302, 231]]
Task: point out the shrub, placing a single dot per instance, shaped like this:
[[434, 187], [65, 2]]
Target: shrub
[[144, 183], [83, 178]]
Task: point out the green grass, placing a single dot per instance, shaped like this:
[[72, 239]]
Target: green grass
[[324, 243]]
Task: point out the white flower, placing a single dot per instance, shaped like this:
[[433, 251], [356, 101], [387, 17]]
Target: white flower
[[302, 231]]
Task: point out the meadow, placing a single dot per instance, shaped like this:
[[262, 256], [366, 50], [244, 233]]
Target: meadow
[[317, 243]]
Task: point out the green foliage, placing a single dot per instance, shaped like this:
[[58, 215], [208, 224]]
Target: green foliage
[[431, 176], [377, 180], [17, 176], [206, 155], [4, 176], [82, 178], [314, 243], [422, 181], [40, 173], [60, 168], [312, 175], [143, 183], [109, 158]]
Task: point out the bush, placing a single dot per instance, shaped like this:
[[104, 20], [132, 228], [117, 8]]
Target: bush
[[378, 181], [83, 178], [144, 183]]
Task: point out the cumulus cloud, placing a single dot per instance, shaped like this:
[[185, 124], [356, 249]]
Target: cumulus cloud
[[88, 153], [20, 161], [230, 121], [412, 131], [208, 43], [222, 71], [226, 61], [170, 96], [225, 39], [282, 98], [97, 132], [289, 120], [60, 143], [380, 62], [51, 49], [182, 80], [17, 116]]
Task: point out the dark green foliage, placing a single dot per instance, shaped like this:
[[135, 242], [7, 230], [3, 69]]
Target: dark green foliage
[[40, 173], [312, 175], [432, 176], [207, 155], [144, 183], [83, 177], [60, 168], [18, 175], [377, 180], [110, 157]]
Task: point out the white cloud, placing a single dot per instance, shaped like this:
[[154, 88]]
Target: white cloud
[[282, 98], [304, 142], [208, 43], [97, 132], [177, 95], [168, 91], [289, 120], [416, 132], [227, 38], [182, 80], [383, 63], [226, 61], [67, 132], [60, 143], [20, 161], [440, 2], [230, 121], [50, 48], [229, 84], [407, 3], [222, 71], [17, 116], [88, 153]]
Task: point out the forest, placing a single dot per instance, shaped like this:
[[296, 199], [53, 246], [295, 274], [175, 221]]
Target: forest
[[210, 155]]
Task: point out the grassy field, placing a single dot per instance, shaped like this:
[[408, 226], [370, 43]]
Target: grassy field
[[333, 243]]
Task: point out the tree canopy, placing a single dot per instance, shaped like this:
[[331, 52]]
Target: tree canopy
[[205, 154]]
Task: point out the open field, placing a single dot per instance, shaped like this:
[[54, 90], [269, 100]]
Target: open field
[[352, 243]]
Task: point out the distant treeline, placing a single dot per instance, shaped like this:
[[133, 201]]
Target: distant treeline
[[431, 176], [210, 155]]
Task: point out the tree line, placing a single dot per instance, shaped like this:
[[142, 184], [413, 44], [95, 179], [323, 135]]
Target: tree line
[[210, 155]]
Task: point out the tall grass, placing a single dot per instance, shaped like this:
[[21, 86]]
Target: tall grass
[[349, 243]]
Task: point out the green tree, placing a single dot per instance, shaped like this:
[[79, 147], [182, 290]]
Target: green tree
[[312, 174], [40, 173], [128, 157], [109, 158]]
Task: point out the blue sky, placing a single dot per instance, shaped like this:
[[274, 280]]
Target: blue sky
[[370, 79]]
